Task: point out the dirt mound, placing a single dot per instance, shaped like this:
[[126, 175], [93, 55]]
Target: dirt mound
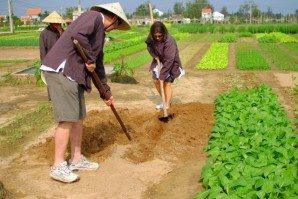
[[3, 192], [154, 151], [179, 138]]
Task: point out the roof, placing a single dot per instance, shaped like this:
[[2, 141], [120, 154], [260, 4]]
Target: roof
[[206, 10], [33, 11], [218, 13]]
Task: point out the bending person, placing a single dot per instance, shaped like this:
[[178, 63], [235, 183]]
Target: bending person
[[68, 77], [161, 45]]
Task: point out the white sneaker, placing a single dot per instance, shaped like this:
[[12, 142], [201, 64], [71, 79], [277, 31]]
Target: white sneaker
[[63, 174], [83, 164], [159, 106]]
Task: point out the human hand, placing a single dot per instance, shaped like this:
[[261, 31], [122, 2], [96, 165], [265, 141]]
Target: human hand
[[90, 67], [110, 101]]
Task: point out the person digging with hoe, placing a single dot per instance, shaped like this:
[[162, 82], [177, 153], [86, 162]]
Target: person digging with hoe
[[68, 77], [166, 65]]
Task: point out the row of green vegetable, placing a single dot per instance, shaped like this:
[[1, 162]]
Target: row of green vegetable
[[251, 56], [252, 150]]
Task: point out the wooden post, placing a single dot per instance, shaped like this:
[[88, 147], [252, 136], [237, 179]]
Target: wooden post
[[151, 13]]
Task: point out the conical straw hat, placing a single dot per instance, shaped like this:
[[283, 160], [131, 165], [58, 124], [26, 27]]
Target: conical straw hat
[[54, 17], [116, 9]]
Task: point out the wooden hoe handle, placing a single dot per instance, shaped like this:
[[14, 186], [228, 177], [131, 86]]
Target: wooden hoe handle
[[99, 86]]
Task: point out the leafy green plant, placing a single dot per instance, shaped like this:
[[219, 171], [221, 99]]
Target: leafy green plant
[[252, 148], [215, 58], [123, 73], [249, 57], [37, 72], [122, 69], [228, 38], [245, 34]]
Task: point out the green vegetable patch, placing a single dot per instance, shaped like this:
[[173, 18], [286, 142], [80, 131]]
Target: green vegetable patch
[[248, 57], [279, 57], [215, 58], [252, 148]]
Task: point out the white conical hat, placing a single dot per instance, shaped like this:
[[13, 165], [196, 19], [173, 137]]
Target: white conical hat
[[54, 17], [116, 9]]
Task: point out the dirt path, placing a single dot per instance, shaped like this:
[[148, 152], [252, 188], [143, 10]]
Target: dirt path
[[163, 160], [12, 53]]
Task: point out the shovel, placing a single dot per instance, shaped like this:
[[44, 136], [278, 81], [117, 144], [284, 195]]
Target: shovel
[[166, 117], [99, 84]]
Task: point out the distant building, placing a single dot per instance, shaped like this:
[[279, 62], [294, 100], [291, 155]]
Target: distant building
[[140, 20], [26, 20], [218, 17], [34, 13], [176, 18], [158, 12], [3, 18], [206, 14]]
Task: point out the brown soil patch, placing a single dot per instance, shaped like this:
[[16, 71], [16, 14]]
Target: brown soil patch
[[157, 144], [13, 53]]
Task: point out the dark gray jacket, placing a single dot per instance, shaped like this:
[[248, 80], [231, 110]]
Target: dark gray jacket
[[47, 39], [168, 54], [88, 29]]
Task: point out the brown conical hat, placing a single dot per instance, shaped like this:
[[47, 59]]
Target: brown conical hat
[[54, 17], [116, 9]]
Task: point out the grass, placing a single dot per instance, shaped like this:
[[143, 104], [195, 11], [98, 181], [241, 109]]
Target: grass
[[213, 37], [9, 79], [279, 57], [291, 46], [25, 126]]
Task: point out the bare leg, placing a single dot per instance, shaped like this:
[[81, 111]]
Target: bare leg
[[76, 141], [168, 93], [157, 85], [61, 140]]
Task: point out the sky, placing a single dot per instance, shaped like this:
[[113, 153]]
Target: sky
[[129, 6]]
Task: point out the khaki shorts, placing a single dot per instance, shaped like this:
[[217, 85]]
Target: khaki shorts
[[67, 97]]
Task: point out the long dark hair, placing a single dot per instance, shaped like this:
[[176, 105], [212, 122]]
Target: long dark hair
[[158, 26]]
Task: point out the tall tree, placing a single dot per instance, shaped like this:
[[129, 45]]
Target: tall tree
[[194, 9], [43, 15], [142, 10], [224, 11], [248, 9], [178, 8], [269, 12], [69, 12]]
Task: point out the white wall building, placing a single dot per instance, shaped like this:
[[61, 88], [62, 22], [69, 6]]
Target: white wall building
[[158, 12], [217, 16]]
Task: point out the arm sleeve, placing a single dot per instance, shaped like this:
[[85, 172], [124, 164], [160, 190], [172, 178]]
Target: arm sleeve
[[150, 47], [42, 46], [169, 57], [89, 26]]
